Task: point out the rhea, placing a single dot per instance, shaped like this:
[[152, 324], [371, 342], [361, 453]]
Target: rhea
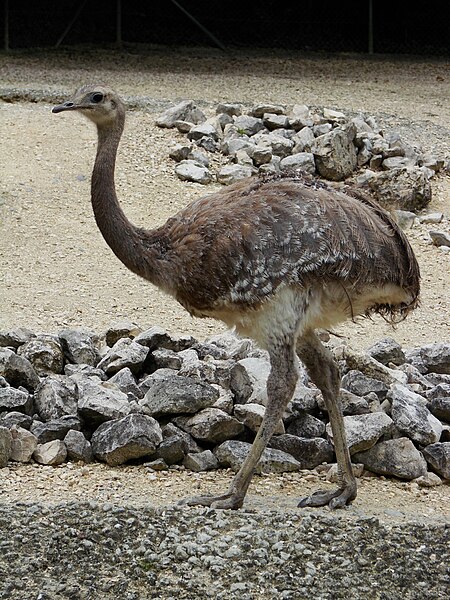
[[275, 258]]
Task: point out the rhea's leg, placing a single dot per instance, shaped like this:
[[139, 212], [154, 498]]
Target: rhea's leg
[[324, 372], [280, 388]]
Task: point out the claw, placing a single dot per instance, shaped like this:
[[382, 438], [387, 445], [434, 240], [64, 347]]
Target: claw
[[225, 501], [334, 499]]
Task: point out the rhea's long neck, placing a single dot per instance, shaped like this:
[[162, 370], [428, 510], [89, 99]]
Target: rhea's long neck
[[124, 239]]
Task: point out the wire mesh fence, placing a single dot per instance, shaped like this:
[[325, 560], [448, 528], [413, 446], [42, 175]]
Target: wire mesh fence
[[306, 25]]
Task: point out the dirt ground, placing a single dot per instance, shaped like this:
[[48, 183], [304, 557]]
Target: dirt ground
[[56, 271]]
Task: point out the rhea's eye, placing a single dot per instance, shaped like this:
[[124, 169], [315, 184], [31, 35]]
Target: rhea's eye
[[97, 97]]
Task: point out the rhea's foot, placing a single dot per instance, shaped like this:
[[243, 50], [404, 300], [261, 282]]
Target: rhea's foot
[[334, 499], [231, 501]]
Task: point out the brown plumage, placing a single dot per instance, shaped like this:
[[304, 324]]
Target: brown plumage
[[274, 257]]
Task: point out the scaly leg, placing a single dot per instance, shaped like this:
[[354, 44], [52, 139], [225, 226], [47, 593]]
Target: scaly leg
[[280, 388], [324, 372]]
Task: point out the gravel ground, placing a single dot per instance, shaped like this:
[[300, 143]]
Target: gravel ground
[[109, 552], [95, 532]]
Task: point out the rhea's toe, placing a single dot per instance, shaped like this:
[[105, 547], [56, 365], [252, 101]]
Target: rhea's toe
[[334, 499], [226, 501], [319, 498]]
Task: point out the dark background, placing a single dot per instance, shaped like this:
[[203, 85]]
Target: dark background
[[307, 25]]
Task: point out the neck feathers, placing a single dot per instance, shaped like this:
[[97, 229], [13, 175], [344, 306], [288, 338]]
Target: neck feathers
[[125, 239]]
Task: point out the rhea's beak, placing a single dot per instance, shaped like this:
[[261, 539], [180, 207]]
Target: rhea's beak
[[65, 106]]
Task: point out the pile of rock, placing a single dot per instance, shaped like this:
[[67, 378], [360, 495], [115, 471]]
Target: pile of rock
[[270, 138], [131, 394]]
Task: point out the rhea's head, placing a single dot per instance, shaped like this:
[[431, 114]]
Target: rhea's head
[[98, 103]]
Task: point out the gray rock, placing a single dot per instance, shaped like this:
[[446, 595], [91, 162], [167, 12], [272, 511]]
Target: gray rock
[[45, 353], [356, 382], [438, 456], [17, 370], [225, 346], [275, 121], [159, 375], [78, 447], [193, 367], [440, 238], [321, 129], [15, 419], [306, 426], [125, 381], [406, 188], [79, 347], [229, 174], [405, 219], [98, 403], [224, 119], [87, 370], [414, 378], [52, 453], [434, 218], [199, 156], [180, 152], [334, 116], [364, 153], [166, 359], [192, 170], [309, 452], [5, 446], [202, 461], [213, 425], [231, 145], [248, 125], [124, 353], [387, 351], [175, 394], [243, 159], [157, 464], [183, 111], [232, 453], [261, 155], [121, 440], [280, 145], [56, 429], [431, 162], [351, 403], [301, 117], [431, 358], [394, 458], [363, 431], [428, 480], [397, 162], [12, 399], [259, 110], [335, 154], [23, 444], [55, 397], [15, 337], [303, 140], [171, 430], [412, 417], [242, 380], [173, 449], [439, 402], [248, 382], [157, 338], [301, 161], [229, 108], [205, 129], [251, 416], [225, 401], [121, 329]]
